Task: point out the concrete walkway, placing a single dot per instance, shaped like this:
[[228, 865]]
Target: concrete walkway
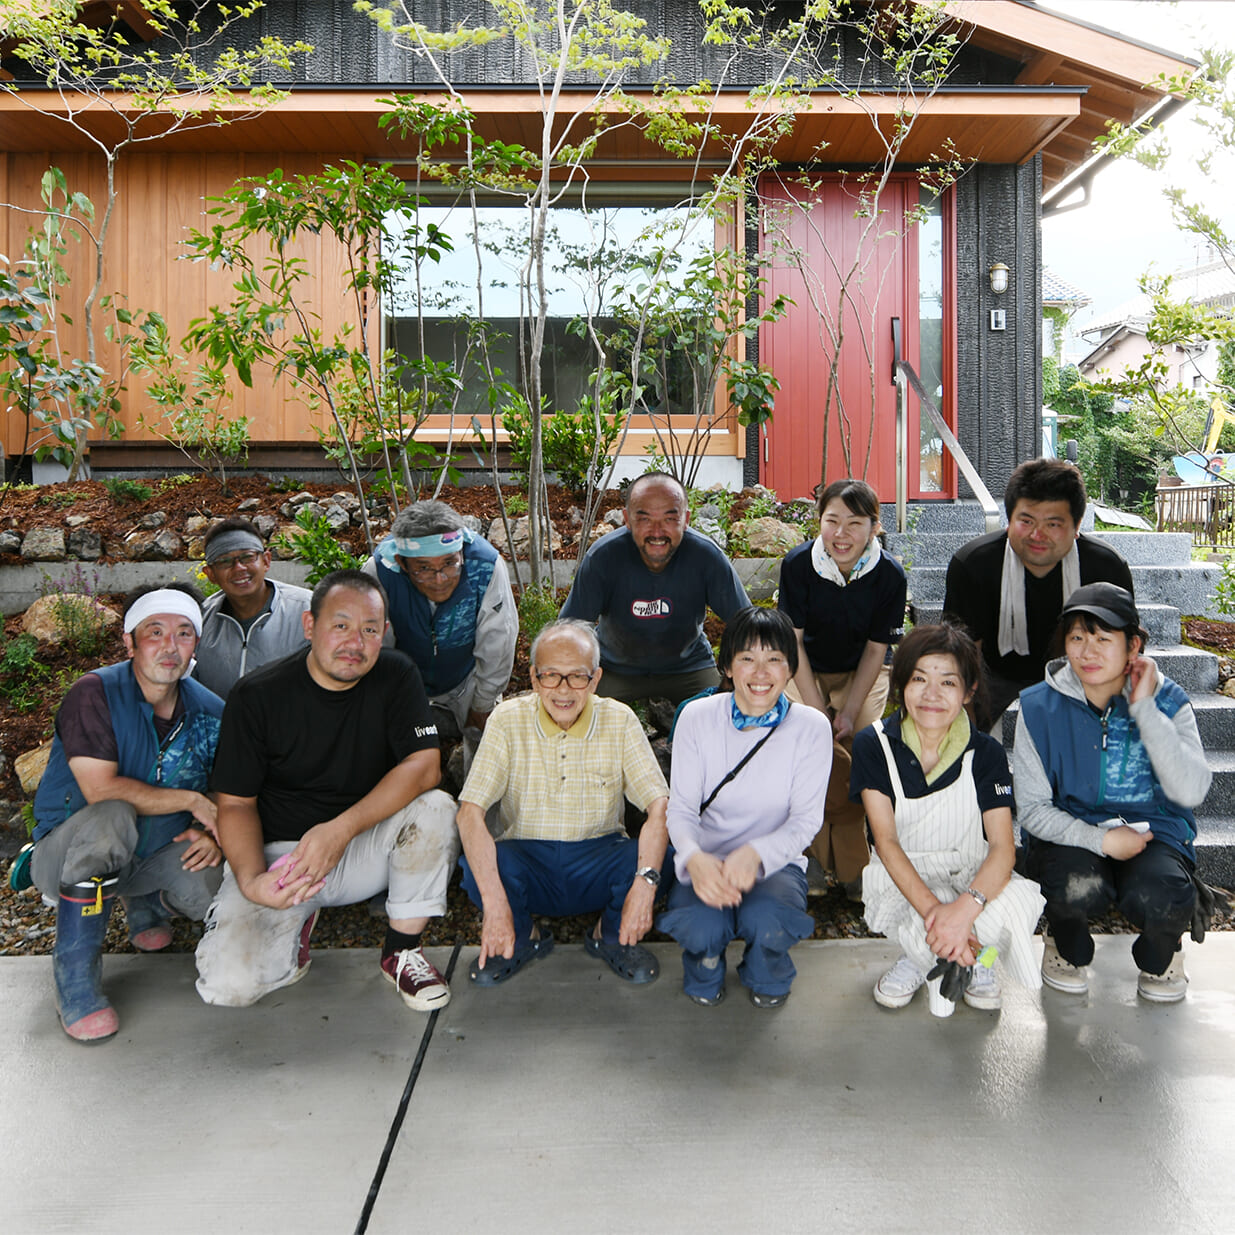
[[569, 1102]]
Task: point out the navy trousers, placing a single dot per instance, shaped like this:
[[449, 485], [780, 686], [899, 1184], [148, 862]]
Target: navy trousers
[[771, 918]]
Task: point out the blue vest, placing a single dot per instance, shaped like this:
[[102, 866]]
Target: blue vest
[[182, 761], [440, 643], [1093, 781]]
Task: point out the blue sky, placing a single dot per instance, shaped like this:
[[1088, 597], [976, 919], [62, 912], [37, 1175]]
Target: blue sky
[[1104, 247]]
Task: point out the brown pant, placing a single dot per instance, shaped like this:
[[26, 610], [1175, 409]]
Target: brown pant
[[840, 845]]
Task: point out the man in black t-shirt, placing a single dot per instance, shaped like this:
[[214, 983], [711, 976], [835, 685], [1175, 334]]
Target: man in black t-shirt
[[1008, 588], [325, 777]]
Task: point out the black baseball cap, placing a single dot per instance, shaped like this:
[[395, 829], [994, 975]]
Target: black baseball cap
[[1107, 601]]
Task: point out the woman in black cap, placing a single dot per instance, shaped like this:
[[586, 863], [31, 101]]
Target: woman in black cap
[[1106, 768]]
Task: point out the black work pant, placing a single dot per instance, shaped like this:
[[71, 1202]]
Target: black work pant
[[1153, 890]]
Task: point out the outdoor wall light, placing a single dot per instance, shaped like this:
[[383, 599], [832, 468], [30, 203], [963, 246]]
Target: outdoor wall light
[[999, 278]]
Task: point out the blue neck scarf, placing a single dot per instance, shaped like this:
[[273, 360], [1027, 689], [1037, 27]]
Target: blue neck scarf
[[769, 720]]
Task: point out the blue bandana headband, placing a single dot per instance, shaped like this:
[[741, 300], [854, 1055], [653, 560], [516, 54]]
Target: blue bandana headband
[[423, 546], [772, 717]]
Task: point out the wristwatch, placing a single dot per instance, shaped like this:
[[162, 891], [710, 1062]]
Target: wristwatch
[[978, 896], [650, 875]]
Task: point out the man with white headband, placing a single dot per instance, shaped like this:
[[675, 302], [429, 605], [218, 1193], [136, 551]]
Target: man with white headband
[[452, 611], [251, 621], [1008, 587], [121, 811]]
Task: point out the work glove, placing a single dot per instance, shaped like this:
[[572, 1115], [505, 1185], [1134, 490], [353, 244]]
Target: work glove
[[955, 979], [1207, 900]]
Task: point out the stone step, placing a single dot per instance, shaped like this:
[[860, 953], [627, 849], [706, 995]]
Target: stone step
[[1162, 621], [920, 548], [1215, 850], [1189, 589]]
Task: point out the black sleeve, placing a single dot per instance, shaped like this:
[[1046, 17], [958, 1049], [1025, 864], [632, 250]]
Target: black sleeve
[[241, 760], [870, 768], [410, 723]]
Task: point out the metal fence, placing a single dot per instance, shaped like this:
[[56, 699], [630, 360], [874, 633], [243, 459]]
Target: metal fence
[[1205, 512]]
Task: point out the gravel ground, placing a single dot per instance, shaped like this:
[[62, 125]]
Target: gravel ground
[[27, 926]]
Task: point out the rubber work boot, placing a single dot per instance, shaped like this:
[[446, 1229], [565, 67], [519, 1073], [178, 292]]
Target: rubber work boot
[[147, 919], [77, 960]]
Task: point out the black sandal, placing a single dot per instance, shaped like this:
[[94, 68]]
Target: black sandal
[[499, 968]]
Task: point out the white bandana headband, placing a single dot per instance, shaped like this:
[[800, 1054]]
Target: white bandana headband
[[423, 546], [826, 568], [1013, 624], [165, 600]]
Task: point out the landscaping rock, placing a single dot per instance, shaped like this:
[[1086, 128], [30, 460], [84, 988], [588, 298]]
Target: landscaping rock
[[45, 618], [280, 543], [473, 524], [85, 544], [31, 766], [76, 520], [196, 525], [519, 533], [265, 525], [155, 519], [160, 546], [598, 530], [10, 542], [615, 518], [336, 517], [195, 548], [661, 713], [709, 510], [768, 537], [575, 515], [712, 530], [43, 544], [346, 501], [294, 503], [250, 503]]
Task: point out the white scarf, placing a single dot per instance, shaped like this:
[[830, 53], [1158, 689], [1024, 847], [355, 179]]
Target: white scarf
[[826, 568], [1013, 625]]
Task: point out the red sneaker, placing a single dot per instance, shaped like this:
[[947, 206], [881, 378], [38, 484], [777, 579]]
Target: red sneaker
[[420, 985]]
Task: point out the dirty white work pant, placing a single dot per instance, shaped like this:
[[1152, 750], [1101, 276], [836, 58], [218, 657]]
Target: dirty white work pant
[[249, 950]]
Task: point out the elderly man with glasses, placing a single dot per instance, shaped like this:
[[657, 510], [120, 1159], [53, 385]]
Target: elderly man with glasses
[[251, 621], [452, 611], [558, 764]]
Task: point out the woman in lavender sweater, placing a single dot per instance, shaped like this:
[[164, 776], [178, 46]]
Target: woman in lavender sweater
[[738, 839]]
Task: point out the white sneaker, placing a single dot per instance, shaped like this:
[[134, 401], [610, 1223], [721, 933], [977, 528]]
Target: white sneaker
[[1058, 974], [1168, 987], [983, 991], [899, 985]]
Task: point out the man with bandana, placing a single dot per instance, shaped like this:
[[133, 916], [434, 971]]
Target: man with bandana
[[121, 812], [1008, 588], [452, 611], [250, 621]]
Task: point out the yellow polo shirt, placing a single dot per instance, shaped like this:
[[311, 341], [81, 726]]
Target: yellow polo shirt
[[563, 785]]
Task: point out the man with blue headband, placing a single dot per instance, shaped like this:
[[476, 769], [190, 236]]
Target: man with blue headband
[[452, 611], [121, 811]]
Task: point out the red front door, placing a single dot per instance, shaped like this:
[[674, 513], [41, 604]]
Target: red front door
[[849, 273]]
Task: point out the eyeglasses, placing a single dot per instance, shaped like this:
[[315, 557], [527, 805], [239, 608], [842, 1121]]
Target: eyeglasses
[[435, 572], [236, 559], [551, 680]]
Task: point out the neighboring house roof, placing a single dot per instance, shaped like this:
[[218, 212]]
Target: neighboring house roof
[[1073, 78], [1211, 283], [1058, 293]]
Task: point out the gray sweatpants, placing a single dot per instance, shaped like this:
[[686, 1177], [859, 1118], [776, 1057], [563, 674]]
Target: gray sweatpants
[[249, 950], [102, 838]]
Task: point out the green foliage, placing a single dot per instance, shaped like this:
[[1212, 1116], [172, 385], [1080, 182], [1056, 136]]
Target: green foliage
[[61, 497], [538, 606], [123, 490], [1224, 589], [516, 504], [578, 445], [192, 400], [316, 544], [21, 672], [175, 482], [82, 624]]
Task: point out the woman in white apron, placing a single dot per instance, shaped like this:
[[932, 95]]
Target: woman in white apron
[[938, 797]]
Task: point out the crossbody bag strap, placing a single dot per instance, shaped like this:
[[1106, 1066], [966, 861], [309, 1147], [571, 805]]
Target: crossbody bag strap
[[737, 767]]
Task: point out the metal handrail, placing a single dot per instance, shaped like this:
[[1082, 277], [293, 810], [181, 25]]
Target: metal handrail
[[903, 375]]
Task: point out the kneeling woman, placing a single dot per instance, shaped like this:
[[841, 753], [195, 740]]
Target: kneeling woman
[[939, 800], [749, 773], [1108, 764]]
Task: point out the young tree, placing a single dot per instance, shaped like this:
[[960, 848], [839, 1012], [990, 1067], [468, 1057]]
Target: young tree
[[180, 73]]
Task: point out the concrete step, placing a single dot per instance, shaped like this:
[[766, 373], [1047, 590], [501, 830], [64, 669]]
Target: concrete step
[[1215, 850], [1188, 588], [1162, 621]]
